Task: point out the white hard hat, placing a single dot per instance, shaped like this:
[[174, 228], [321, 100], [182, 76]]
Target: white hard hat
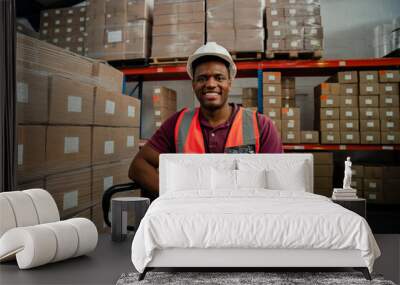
[[214, 49]]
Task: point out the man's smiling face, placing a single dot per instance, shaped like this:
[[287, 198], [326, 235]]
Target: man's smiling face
[[211, 84]]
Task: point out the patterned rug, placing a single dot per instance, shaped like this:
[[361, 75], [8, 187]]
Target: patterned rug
[[243, 278]]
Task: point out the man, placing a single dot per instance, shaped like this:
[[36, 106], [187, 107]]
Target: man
[[215, 127]]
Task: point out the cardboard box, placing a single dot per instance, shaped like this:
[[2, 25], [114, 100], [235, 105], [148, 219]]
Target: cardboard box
[[31, 185], [272, 101], [389, 89], [389, 101], [274, 44], [291, 137], [129, 114], [312, 21], [389, 76], [349, 90], [277, 124], [329, 101], [87, 214], [372, 185], [164, 97], [370, 137], [357, 183], [294, 43], [349, 114], [390, 137], [249, 93], [357, 171], [107, 144], [389, 114], [67, 148], [369, 113], [71, 101], [246, 103], [323, 170], [373, 172], [70, 190], [330, 125], [30, 153], [32, 96], [323, 183], [347, 77], [349, 125], [329, 113], [288, 93], [373, 197], [290, 125], [351, 137], [274, 12], [291, 114], [369, 101], [329, 89], [273, 113], [330, 137], [370, 125], [369, 89], [272, 77], [288, 103], [313, 44], [348, 101], [390, 126], [106, 107], [272, 89], [108, 77], [309, 137], [322, 158], [129, 142], [391, 191], [370, 76], [288, 82]]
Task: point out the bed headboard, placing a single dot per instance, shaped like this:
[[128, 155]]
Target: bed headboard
[[231, 161]]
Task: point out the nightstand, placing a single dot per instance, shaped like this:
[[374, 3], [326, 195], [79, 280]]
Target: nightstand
[[358, 205]]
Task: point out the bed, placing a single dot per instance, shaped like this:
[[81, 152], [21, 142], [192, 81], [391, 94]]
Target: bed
[[246, 210]]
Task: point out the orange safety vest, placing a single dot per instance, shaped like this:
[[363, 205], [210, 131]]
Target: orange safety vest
[[189, 136]]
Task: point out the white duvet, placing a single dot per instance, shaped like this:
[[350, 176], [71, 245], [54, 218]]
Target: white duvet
[[252, 218]]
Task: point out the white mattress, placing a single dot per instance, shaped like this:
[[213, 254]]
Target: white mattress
[[252, 218]]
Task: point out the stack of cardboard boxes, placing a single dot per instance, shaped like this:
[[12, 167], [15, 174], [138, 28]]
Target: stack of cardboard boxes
[[250, 98], [236, 24], [75, 137], [293, 25], [362, 107], [323, 173], [118, 30], [65, 28], [179, 28], [164, 104]]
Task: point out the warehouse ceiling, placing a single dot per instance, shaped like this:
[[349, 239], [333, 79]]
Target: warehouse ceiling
[[30, 9]]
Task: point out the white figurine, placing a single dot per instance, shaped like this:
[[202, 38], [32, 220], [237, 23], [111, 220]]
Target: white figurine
[[347, 174]]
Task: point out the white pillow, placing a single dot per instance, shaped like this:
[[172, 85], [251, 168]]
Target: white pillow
[[224, 179], [288, 175], [251, 178], [183, 177]]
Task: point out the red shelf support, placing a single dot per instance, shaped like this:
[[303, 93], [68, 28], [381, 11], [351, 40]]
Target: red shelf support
[[340, 147]]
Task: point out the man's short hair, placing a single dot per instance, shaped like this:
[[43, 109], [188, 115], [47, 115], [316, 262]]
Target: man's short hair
[[208, 58]]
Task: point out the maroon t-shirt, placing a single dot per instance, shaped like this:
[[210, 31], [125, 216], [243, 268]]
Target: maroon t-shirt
[[163, 140]]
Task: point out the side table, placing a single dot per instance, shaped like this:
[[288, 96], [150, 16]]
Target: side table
[[121, 209], [358, 205]]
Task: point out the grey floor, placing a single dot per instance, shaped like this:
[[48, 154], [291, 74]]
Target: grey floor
[[103, 266]]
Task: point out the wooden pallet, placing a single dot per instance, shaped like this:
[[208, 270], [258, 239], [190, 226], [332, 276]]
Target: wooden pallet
[[294, 54], [167, 60], [247, 55]]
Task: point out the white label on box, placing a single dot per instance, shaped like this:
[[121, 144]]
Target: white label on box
[[56, 31], [272, 100], [274, 12], [130, 141], [55, 40], [330, 138], [45, 14], [349, 136], [70, 200], [22, 92], [20, 154], [110, 107], [82, 29], [71, 145], [389, 88], [315, 42], [45, 24], [369, 89], [68, 39], [368, 101], [83, 9], [370, 77], [69, 30], [329, 125], [275, 23], [349, 90], [349, 125], [290, 124], [44, 32], [311, 21], [58, 12], [70, 11], [272, 1], [277, 33], [372, 185], [292, 12], [131, 111], [370, 124], [272, 113], [79, 48], [389, 124], [329, 102], [370, 138], [293, 23], [389, 113], [108, 182], [369, 113], [157, 90], [57, 22], [310, 9], [69, 21], [390, 137], [372, 196], [290, 113], [347, 77], [108, 147], [275, 45], [271, 88], [81, 19], [114, 36], [157, 113], [389, 75], [158, 124], [389, 100], [80, 39], [349, 114], [290, 136], [294, 43], [329, 112], [74, 104], [348, 101], [309, 136], [313, 31], [271, 77]]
